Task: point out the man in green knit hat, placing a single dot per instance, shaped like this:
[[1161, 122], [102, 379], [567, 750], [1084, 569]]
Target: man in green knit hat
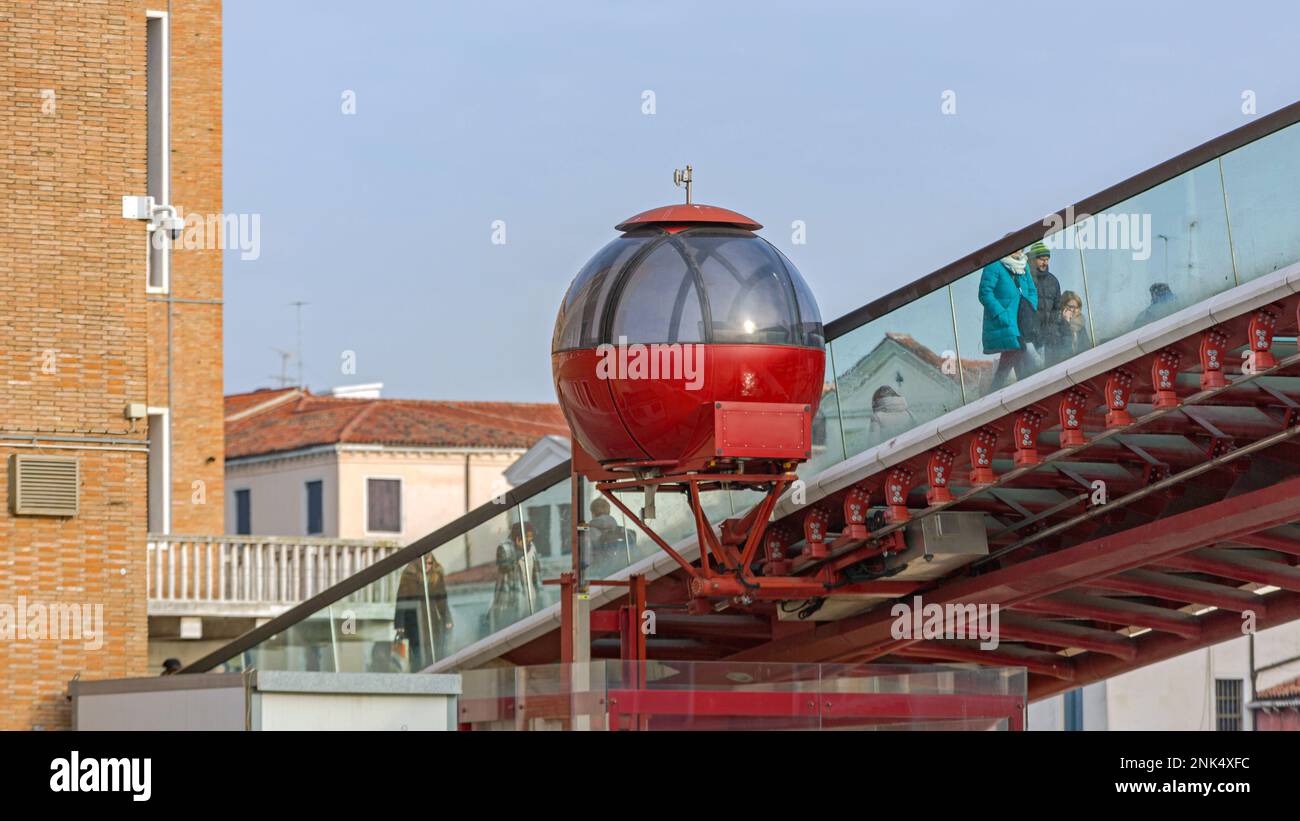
[[1051, 325]]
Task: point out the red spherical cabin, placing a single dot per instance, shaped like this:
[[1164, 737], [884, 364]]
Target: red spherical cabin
[[688, 343]]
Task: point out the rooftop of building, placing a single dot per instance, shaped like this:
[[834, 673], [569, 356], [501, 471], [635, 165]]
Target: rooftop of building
[[287, 419], [1287, 689]]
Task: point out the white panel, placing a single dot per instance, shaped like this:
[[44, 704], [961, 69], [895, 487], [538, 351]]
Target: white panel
[[969, 417], [1174, 327], [351, 711], [910, 443], [1101, 359], [1035, 389], [1248, 297]]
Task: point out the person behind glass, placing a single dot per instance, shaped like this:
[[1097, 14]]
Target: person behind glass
[[1008, 294], [1067, 337], [890, 415], [421, 576], [1049, 323], [1163, 303], [519, 579], [605, 538]]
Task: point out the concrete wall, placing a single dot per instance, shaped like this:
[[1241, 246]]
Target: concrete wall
[[1178, 694]]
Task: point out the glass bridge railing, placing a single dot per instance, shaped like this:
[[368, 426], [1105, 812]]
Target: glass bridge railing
[[711, 696], [1224, 222]]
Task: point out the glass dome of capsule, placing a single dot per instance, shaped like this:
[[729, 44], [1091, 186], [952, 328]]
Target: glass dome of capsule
[[702, 284]]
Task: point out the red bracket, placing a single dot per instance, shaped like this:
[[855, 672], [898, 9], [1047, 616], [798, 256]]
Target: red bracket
[[1260, 331], [1119, 385], [1152, 473], [1213, 343], [981, 457], [1073, 407], [1164, 373], [892, 543], [1220, 445], [1029, 422], [938, 469], [857, 504], [815, 523], [898, 481], [775, 544]]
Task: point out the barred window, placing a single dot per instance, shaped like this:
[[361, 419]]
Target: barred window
[[1227, 704]]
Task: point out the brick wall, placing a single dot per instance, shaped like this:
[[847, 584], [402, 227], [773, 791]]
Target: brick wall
[[198, 437], [78, 338]]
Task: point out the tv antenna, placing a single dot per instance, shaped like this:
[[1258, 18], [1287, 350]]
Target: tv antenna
[[682, 177], [298, 306], [283, 378]]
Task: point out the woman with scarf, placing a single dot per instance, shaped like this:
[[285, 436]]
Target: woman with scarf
[[1068, 337], [1009, 297]]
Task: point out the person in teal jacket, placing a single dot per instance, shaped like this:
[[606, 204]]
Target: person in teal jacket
[[1009, 297]]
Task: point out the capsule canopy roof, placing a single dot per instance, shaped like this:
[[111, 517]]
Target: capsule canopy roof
[[688, 215], [710, 282]]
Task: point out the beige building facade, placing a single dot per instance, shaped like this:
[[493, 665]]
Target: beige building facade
[[298, 464], [435, 486]]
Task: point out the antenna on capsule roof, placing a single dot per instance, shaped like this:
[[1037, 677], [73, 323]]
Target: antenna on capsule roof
[[683, 177]]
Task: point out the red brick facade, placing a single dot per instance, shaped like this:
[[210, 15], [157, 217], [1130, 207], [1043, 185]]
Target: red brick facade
[[79, 336]]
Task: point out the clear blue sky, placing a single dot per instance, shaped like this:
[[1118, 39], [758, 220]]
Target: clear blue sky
[[531, 113]]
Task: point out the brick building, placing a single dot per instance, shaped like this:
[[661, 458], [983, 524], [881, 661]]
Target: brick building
[[110, 348]]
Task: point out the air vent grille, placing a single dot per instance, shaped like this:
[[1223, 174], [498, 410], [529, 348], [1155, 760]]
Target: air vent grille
[[44, 485]]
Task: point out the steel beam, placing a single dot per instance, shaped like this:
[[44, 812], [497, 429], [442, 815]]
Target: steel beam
[[1035, 661], [1054, 572], [1061, 634], [1178, 588], [1270, 541], [1227, 564], [1115, 611], [1216, 627]]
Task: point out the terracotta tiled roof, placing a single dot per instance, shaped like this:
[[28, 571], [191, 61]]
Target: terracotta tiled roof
[[270, 421], [932, 358], [1287, 689], [242, 403]]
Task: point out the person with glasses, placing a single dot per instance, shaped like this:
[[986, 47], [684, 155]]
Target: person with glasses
[[1068, 334]]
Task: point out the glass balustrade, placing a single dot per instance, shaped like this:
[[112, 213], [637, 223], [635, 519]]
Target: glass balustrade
[[709, 695], [1260, 184], [897, 372]]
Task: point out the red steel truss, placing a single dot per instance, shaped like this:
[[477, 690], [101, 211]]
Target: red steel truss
[[1196, 446]]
